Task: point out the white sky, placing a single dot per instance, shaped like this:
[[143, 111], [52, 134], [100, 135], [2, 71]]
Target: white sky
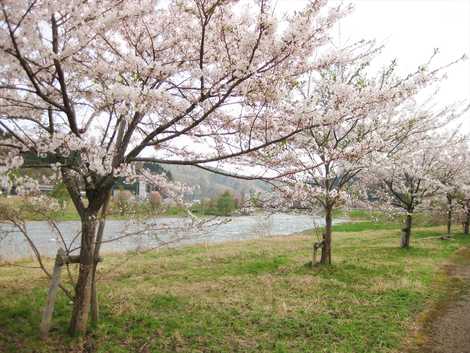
[[410, 30]]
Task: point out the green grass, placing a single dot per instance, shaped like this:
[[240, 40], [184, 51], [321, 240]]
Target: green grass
[[252, 296], [363, 226]]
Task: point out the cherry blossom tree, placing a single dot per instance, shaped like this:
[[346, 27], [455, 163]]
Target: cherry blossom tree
[[367, 112], [463, 200], [410, 178], [93, 87], [454, 159], [456, 183]]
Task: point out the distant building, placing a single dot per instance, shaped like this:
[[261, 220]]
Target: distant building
[[142, 190]]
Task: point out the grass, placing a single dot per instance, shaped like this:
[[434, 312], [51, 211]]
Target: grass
[[364, 226], [252, 296], [69, 213]]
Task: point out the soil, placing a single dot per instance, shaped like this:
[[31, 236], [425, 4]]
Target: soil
[[447, 329]]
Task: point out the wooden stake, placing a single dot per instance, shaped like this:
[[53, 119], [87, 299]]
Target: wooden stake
[[60, 260], [51, 295], [316, 246]]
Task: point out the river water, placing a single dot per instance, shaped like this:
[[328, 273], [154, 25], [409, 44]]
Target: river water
[[123, 236]]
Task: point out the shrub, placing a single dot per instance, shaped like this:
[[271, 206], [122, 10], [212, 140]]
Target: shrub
[[226, 204], [61, 194], [155, 200], [123, 200]]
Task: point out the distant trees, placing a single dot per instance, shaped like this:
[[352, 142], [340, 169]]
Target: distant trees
[[454, 159], [463, 201], [226, 204], [413, 176], [222, 205], [456, 183]]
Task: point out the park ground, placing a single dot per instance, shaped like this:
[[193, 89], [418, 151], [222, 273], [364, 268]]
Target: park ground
[[257, 296]]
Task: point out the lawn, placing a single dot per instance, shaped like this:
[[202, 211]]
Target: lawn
[[252, 296]]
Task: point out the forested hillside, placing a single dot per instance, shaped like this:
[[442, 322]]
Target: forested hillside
[[211, 184]]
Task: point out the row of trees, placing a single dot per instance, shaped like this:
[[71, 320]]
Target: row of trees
[[393, 154], [92, 88], [413, 176], [125, 204]]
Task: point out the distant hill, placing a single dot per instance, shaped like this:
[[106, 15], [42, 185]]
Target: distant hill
[[211, 184]]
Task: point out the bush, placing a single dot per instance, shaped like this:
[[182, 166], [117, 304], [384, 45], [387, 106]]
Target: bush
[[123, 200], [155, 200], [61, 194], [226, 204]]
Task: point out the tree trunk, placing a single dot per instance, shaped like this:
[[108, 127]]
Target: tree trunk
[[83, 288], [406, 231], [94, 295], [449, 214], [326, 249], [466, 223], [99, 238]]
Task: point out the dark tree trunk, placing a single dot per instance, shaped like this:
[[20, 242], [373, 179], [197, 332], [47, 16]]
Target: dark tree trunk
[[94, 296], [449, 214], [97, 197], [99, 238], [83, 287], [466, 223], [406, 231], [326, 248]]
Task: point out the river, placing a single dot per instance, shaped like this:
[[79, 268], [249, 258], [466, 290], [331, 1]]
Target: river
[[123, 236]]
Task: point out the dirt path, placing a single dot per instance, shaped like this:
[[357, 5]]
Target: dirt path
[[447, 329]]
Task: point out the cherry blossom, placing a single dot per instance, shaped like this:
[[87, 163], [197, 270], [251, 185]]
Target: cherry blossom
[[411, 177], [363, 114], [93, 87]]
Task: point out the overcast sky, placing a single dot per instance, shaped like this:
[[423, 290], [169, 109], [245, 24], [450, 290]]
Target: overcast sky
[[410, 30]]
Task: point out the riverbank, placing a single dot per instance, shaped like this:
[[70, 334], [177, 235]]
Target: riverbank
[[68, 212], [132, 209], [247, 296]]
